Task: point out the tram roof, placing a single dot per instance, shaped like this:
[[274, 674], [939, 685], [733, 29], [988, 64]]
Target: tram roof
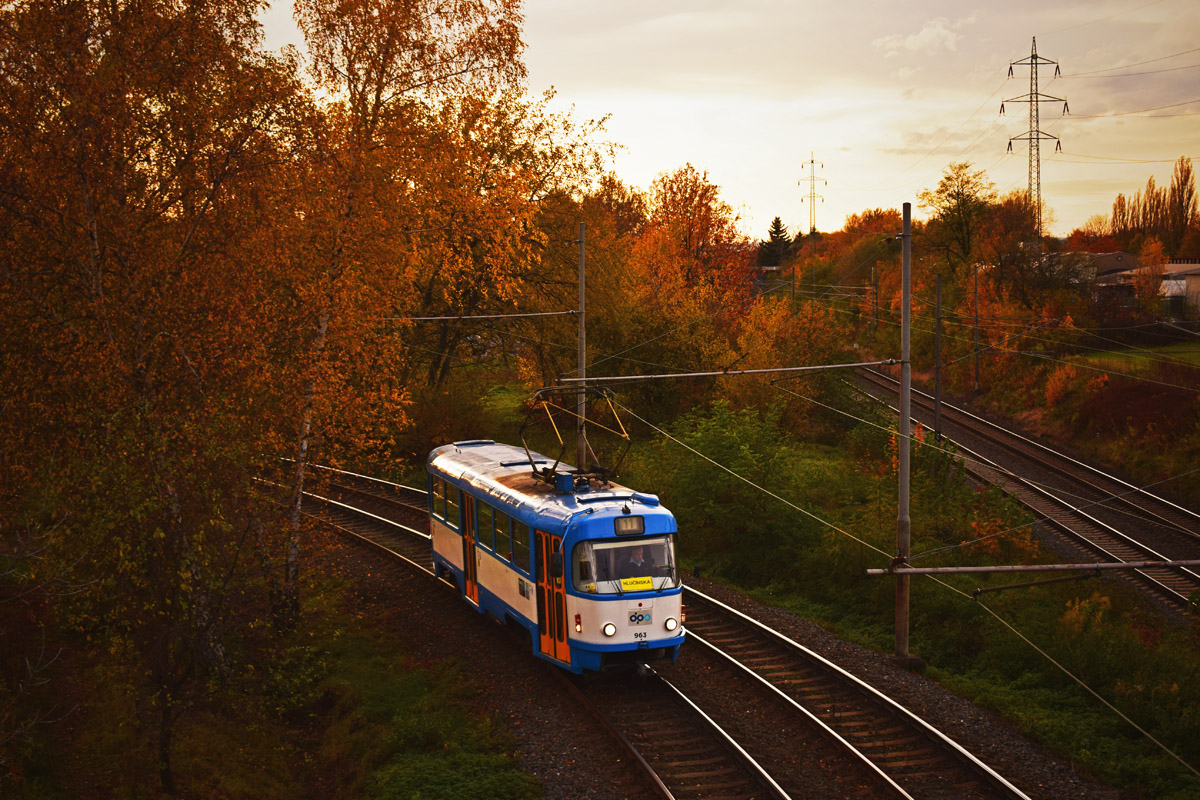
[[503, 473]]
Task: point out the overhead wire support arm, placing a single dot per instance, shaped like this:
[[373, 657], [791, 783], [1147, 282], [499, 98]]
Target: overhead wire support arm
[[898, 567], [484, 316], [720, 373]]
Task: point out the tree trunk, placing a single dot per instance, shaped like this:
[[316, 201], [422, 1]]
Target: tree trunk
[[166, 776], [287, 611]]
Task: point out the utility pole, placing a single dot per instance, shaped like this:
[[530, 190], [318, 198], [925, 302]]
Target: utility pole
[[937, 364], [875, 295], [975, 272], [903, 520], [1035, 134], [581, 418]]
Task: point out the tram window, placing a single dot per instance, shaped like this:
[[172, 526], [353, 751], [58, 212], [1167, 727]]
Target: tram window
[[439, 498], [520, 545], [484, 536], [452, 501], [503, 542], [600, 565]]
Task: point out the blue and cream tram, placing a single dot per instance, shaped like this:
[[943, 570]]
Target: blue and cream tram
[[587, 568]]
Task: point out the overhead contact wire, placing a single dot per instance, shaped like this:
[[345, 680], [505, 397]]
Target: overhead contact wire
[[746, 480]]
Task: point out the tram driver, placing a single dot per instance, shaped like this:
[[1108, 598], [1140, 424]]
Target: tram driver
[[636, 565]]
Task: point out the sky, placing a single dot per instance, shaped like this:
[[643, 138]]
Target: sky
[[873, 99]]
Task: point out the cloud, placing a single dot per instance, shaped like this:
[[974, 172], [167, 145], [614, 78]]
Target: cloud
[[938, 35]]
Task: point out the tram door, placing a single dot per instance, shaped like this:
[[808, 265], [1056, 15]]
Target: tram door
[[470, 565], [551, 601]]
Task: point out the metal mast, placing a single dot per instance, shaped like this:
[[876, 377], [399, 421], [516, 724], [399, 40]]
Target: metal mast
[[1035, 134], [812, 191], [581, 448], [903, 517]]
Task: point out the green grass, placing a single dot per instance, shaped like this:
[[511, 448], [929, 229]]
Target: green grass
[[1142, 357]]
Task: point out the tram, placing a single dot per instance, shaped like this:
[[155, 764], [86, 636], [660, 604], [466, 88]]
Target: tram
[[586, 567]]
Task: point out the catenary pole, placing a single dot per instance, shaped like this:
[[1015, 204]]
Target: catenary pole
[[903, 520], [937, 364], [581, 460]]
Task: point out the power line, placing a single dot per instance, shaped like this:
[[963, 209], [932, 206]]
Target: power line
[[1142, 111], [1105, 19], [1130, 74], [1126, 161], [1112, 162], [1135, 64]]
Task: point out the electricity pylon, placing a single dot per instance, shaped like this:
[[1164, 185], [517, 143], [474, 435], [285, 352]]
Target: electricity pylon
[[812, 191], [1035, 135]]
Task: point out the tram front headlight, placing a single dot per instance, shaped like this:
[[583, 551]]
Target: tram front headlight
[[609, 629], [671, 624]]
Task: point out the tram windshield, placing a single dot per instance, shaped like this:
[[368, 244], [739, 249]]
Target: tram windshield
[[619, 566]]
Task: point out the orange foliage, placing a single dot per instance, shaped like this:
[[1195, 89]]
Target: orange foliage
[[1059, 384], [1084, 615], [1147, 281], [695, 241], [773, 334], [201, 263]]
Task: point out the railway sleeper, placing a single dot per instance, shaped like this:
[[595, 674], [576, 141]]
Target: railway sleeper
[[698, 774], [873, 738], [684, 746], [699, 761], [907, 766]]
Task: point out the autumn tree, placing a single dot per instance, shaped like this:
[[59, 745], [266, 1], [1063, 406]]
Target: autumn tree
[[662, 296], [959, 205], [136, 139], [1016, 265], [384, 65], [774, 334], [875, 221], [1164, 213], [1181, 215], [1094, 236], [1147, 281], [697, 235], [509, 181], [668, 275]]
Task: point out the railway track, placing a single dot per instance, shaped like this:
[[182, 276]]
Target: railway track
[[909, 757], [861, 743], [1109, 518], [688, 752]]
